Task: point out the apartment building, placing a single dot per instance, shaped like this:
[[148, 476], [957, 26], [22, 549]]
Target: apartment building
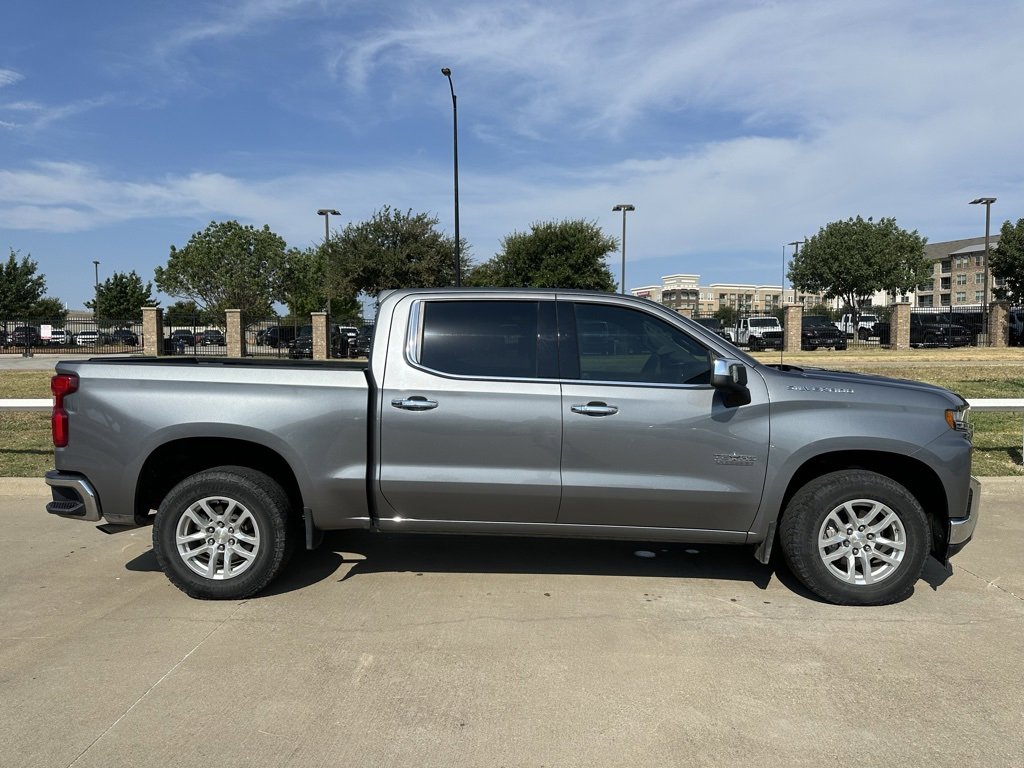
[[958, 274]]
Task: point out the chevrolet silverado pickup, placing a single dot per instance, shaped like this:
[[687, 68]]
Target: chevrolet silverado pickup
[[525, 413]]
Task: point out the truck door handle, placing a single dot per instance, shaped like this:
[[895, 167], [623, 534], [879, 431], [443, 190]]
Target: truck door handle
[[595, 409], [415, 403]]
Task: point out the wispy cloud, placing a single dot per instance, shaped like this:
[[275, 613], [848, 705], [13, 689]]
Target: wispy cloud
[[9, 77]]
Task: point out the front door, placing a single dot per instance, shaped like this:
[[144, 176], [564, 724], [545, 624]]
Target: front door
[[647, 441]]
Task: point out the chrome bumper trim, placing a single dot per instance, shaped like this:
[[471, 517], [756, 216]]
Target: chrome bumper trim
[[962, 528], [80, 486]]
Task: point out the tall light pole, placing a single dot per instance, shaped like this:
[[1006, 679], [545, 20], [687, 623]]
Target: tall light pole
[[455, 145], [624, 207], [987, 202], [96, 266], [327, 213]]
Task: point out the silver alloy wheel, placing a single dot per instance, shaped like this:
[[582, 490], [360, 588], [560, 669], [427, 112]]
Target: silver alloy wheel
[[862, 542], [217, 538]]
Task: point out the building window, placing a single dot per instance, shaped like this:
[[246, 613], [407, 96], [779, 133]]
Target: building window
[[979, 296], [944, 285], [926, 301], [961, 279], [946, 268], [944, 300], [979, 278], [961, 297]]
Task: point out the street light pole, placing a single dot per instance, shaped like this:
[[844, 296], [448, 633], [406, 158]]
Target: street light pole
[[96, 266], [327, 213], [624, 207], [455, 145], [987, 202]]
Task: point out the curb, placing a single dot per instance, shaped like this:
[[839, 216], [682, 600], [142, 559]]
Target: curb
[[23, 486]]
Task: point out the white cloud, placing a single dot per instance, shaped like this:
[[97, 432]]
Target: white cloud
[[9, 77]]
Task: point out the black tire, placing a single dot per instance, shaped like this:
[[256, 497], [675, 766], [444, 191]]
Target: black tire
[[811, 534], [863, 334], [224, 497]]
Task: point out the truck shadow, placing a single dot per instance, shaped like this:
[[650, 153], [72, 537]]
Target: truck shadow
[[360, 553]]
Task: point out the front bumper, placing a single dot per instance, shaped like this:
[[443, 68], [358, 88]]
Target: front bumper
[[961, 529], [73, 497]]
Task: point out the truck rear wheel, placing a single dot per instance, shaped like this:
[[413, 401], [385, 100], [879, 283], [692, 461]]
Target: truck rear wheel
[[855, 538], [223, 533]]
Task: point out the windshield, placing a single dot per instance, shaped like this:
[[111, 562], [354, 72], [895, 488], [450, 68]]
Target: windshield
[[817, 320]]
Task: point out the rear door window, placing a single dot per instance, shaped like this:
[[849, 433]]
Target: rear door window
[[489, 339]]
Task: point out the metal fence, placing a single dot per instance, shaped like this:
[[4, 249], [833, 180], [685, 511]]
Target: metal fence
[[28, 335], [291, 337]]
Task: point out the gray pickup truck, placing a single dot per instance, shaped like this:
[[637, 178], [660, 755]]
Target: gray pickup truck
[[526, 413]]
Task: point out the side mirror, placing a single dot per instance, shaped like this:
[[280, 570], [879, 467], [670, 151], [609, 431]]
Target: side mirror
[[730, 376]]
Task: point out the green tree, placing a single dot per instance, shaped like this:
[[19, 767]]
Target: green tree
[[728, 315], [184, 313], [49, 309], [390, 250], [1007, 260], [852, 259], [554, 254], [120, 299], [227, 266], [20, 287]]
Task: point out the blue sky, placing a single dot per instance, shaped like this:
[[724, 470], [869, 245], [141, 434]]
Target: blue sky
[[733, 127]]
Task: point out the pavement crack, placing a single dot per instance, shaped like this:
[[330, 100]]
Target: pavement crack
[[153, 687], [992, 583]]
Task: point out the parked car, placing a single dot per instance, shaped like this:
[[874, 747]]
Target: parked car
[[276, 336], [818, 331], [363, 342], [212, 338], [24, 336], [762, 332], [302, 346], [60, 337], [713, 324], [863, 324], [350, 332], [124, 337], [183, 336], [1016, 321]]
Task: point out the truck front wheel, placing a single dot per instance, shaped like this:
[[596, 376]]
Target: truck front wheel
[[855, 538], [223, 533]]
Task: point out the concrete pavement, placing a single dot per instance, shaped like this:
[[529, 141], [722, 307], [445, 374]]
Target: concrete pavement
[[451, 651]]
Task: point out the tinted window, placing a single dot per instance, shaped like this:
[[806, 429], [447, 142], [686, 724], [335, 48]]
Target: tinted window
[[619, 344], [489, 338]]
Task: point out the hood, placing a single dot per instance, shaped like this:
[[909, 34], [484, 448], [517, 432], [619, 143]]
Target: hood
[[821, 379]]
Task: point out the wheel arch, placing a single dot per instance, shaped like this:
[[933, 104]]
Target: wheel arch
[[916, 476], [172, 462]]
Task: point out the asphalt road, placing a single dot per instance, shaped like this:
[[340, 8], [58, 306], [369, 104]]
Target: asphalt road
[[433, 651]]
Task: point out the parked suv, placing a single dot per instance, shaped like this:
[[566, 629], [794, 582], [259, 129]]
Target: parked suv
[[818, 331], [24, 336], [276, 336], [125, 337], [213, 338]]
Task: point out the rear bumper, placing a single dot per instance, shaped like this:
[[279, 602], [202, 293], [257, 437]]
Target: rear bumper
[[73, 497], [961, 529]]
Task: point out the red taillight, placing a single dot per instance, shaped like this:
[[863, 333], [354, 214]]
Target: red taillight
[[62, 384]]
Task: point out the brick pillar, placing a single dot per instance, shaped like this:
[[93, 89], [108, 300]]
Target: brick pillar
[[235, 333], [152, 331], [319, 335], [899, 333], [999, 325], [791, 334]]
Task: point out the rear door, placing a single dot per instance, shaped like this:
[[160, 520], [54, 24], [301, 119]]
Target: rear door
[[470, 412], [647, 441]]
